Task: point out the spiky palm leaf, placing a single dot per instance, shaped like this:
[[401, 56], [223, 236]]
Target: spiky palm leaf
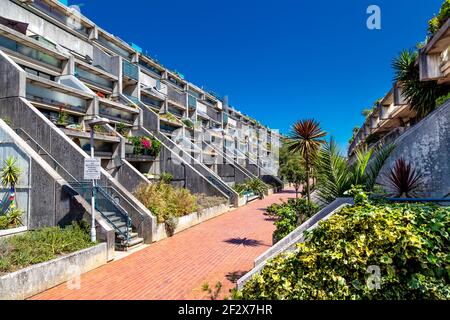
[[10, 172], [333, 174], [421, 95], [372, 172], [403, 180], [306, 139]]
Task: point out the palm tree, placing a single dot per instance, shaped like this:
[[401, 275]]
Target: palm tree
[[421, 95], [306, 138], [336, 175], [10, 174]]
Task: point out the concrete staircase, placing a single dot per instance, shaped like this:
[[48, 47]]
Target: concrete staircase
[[126, 237]]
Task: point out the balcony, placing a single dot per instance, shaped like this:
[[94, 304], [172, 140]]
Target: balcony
[[176, 97], [24, 48], [96, 79], [130, 70], [116, 112], [54, 10], [53, 96]]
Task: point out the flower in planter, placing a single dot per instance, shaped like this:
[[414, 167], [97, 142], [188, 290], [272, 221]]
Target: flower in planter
[[146, 143]]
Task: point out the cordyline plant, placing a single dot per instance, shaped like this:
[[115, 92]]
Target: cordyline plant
[[403, 180], [306, 138]]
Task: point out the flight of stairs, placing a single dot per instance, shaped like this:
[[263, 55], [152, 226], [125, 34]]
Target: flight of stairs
[[118, 222]]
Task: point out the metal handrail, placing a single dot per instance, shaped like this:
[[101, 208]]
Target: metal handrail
[[76, 181], [47, 153]]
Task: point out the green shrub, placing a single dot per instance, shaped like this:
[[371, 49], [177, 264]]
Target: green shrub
[[408, 242], [143, 145], [166, 201], [12, 219], [438, 21], [256, 186], [166, 177], [42, 245], [290, 215], [442, 99], [205, 202]]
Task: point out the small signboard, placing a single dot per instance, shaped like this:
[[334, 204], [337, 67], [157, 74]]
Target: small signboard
[[92, 169]]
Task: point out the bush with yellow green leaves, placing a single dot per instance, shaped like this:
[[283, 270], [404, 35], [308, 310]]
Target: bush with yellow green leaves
[[409, 243]]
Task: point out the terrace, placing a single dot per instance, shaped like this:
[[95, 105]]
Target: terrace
[[95, 78], [25, 49], [434, 58], [47, 94]]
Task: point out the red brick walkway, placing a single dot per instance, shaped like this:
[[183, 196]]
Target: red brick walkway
[[220, 249]]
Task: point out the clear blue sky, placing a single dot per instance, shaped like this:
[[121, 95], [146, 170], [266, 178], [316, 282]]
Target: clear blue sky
[[278, 61]]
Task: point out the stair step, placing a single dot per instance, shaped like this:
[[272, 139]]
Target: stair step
[[120, 224], [115, 219], [124, 229], [109, 214], [135, 242], [132, 236]]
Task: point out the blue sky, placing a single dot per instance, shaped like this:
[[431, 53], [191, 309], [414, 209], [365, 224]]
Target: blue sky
[[278, 61]]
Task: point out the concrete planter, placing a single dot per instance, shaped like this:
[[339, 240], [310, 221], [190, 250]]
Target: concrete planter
[[190, 220], [32, 280]]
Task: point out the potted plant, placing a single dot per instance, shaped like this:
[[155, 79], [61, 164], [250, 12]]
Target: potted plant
[[10, 175], [62, 121]]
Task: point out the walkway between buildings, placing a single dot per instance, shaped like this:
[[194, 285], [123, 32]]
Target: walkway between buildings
[[221, 249]]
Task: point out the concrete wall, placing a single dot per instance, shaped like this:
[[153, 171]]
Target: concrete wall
[[427, 147], [25, 116], [191, 220], [50, 200], [30, 281], [48, 30]]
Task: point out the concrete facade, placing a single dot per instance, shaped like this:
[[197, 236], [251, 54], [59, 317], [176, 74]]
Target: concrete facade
[[426, 146]]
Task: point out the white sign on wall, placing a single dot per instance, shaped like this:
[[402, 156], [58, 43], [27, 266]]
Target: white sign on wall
[[92, 169]]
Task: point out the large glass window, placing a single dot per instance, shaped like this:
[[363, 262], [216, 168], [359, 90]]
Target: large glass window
[[55, 98], [29, 52], [93, 79]]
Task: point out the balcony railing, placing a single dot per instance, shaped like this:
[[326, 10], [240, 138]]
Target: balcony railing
[[176, 96], [60, 16], [93, 79], [55, 99], [30, 52], [130, 70]]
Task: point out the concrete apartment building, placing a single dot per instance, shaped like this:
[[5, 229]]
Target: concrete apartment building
[[59, 70], [423, 142]]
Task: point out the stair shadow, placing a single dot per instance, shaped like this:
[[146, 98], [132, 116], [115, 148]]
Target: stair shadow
[[233, 277], [245, 242]]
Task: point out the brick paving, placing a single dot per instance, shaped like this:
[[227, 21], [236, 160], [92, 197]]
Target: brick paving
[[220, 249]]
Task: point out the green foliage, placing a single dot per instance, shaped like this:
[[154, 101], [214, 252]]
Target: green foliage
[[408, 242], [205, 202], [165, 201], [213, 293], [62, 118], [43, 245], [289, 215], [366, 112], [306, 138], [143, 145], [293, 171], [166, 177], [122, 129], [10, 172], [422, 95], [442, 99], [335, 175], [439, 20], [12, 219], [188, 123], [256, 186]]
